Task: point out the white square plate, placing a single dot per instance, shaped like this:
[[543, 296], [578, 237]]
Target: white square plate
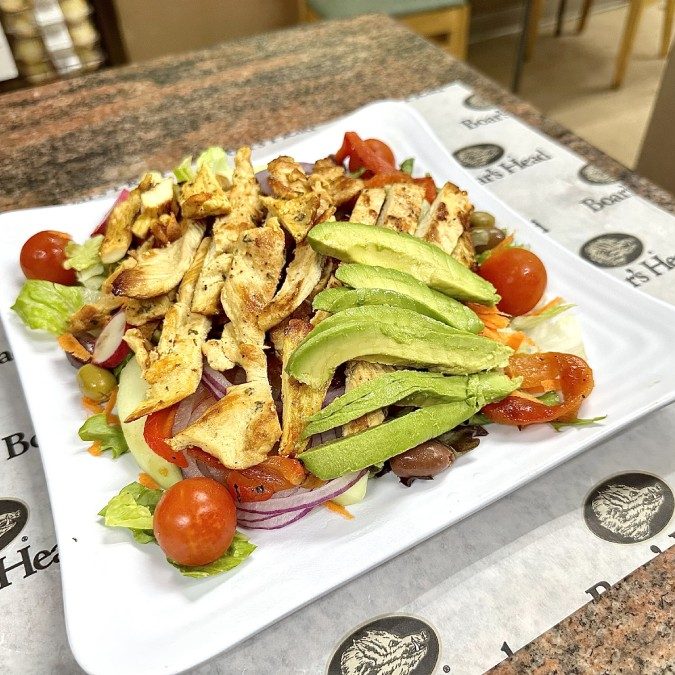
[[128, 611]]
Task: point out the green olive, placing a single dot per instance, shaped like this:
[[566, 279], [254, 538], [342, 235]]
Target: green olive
[[95, 383], [485, 239], [482, 219]]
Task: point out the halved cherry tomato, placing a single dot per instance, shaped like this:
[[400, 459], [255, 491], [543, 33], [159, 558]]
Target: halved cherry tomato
[[576, 383], [158, 427], [519, 277], [258, 483], [195, 521], [43, 255]]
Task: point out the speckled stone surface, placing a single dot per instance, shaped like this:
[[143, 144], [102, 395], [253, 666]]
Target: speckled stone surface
[[75, 139], [70, 140], [628, 629]]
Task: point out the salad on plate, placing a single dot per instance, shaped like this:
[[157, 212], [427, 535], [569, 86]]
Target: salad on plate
[[269, 343]]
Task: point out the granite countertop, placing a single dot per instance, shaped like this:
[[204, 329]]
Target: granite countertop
[[75, 139]]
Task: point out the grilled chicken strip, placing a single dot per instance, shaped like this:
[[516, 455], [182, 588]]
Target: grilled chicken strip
[[240, 429], [117, 238], [174, 369], [159, 270], [368, 206], [203, 196], [447, 221], [302, 275], [258, 259], [300, 401], [356, 373], [246, 211], [155, 202], [402, 207], [94, 315]]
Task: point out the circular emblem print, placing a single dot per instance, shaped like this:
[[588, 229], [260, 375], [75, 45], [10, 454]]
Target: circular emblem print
[[13, 518], [612, 250], [629, 508], [390, 645], [478, 156], [596, 176], [477, 102]]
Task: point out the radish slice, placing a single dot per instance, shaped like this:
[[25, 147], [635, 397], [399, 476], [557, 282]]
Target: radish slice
[[103, 225], [110, 348]]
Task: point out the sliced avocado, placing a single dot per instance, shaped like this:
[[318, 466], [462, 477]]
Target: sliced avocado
[[373, 245], [131, 392], [438, 306], [338, 299], [377, 444], [391, 335], [412, 388], [382, 314]]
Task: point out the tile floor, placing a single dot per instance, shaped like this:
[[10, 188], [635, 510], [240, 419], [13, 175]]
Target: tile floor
[[568, 78]]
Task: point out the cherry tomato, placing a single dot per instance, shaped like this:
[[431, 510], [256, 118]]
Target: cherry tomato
[[43, 255], [195, 521], [379, 148], [519, 277], [158, 427], [576, 383], [258, 483]]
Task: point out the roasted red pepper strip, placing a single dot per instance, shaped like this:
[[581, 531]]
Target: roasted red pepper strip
[[369, 159], [576, 383], [258, 483], [158, 427]]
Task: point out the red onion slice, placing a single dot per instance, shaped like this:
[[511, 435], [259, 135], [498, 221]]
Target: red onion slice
[[273, 523], [332, 394], [102, 226], [215, 381], [185, 408], [192, 469], [305, 499], [201, 408]]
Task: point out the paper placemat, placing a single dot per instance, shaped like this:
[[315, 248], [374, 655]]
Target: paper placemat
[[483, 588]]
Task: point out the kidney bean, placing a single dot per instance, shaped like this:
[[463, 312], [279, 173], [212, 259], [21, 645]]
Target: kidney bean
[[424, 460]]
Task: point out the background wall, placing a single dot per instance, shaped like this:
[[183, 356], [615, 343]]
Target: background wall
[[156, 27], [153, 28]]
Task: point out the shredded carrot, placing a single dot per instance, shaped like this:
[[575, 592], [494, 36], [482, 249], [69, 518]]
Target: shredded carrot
[[514, 340], [109, 417], [339, 509], [71, 345], [504, 243], [91, 406], [148, 481], [490, 316], [549, 305], [95, 448]]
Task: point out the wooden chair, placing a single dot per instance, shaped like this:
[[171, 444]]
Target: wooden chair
[[635, 9], [432, 18]]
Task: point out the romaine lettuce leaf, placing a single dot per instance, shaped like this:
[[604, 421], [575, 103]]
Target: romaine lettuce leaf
[[240, 549], [525, 323], [96, 428], [48, 306], [133, 508], [85, 260], [578, 422], [216, 159], [184, 172]]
